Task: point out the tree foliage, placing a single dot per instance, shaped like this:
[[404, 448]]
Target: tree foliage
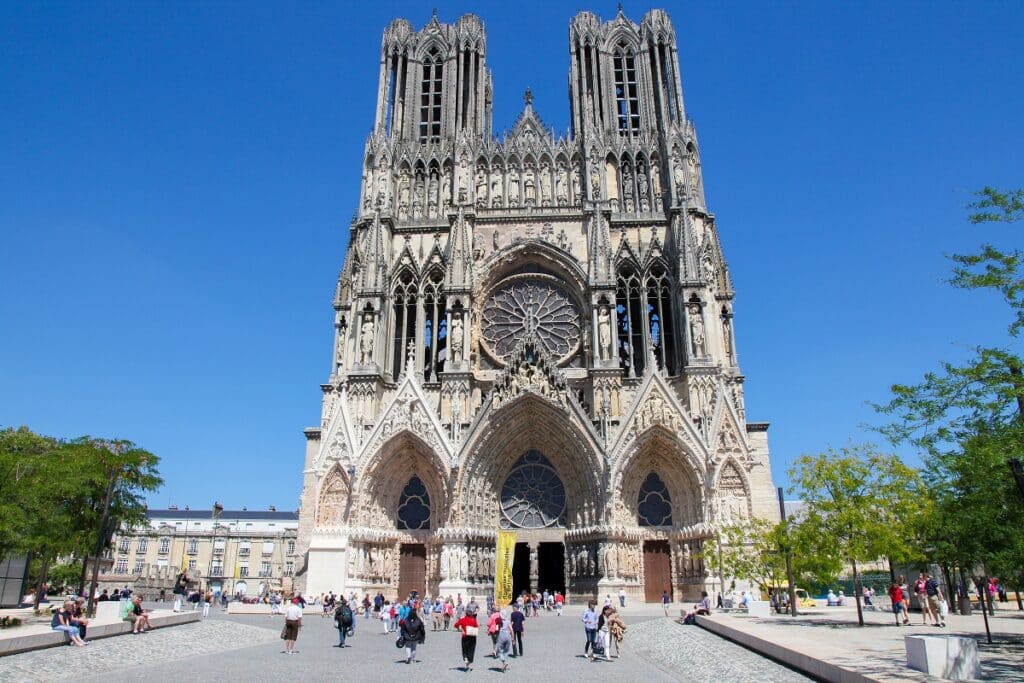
[[969, 418], [52, 492], [860, 505]]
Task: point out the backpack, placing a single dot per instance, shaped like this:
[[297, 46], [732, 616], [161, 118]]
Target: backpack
[[345, 615]]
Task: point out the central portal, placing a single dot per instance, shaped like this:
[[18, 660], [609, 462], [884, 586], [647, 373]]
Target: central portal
[[521, 570]]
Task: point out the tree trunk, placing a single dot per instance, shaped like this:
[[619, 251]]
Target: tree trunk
[[1018, 389], [81, 578], [892, 571], [44, 567], [856, 592], [1020, 606]]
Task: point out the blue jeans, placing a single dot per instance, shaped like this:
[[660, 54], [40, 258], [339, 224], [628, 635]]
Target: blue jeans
[[591, 635], [341, 635]]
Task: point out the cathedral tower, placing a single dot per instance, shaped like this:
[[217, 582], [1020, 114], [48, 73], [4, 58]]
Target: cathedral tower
[[533, 332]]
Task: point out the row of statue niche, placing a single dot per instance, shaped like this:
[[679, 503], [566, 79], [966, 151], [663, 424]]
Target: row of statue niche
[[618, 560], [460, 562], [544, 186], [527, 376], [639, 194], [372, 562], [688, 561], [423, 194], [679, 176]]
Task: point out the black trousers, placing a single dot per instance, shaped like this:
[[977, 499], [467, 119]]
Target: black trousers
[[468, 648], [517, 643]]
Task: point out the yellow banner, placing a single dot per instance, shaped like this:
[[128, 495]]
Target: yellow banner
[[503, 568]]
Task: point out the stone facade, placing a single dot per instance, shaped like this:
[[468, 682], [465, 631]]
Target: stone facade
[[234, 551], [534, 332]]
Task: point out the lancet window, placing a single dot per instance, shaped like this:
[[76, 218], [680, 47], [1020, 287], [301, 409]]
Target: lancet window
[[414, 506], [435, 326], [629, 297], [654, 506], [398, 64], [659, 315], [404, 323], [430, 97], [627, 99]]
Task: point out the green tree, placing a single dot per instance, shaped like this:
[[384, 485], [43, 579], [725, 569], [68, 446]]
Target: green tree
[[968, 418], [858, 505]]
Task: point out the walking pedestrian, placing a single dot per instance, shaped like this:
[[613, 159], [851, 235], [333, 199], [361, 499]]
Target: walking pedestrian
[[504, 640], [603, 628], [449, 610], [896, 596], [494, 624], [343, 620], [292, 624], [414, 632], [559, 603], [517, 619], [922, 599], [666, 599], [589, 620], [616, 631], [622, 597], [207, 599], [934, 599], [470, 629]]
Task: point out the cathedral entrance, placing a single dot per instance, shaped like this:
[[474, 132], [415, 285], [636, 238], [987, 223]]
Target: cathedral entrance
[[551, 567], [521, 570], [412, 570], [657, 570]]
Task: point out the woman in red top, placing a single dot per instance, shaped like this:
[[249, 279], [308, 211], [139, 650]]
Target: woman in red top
[[469, 627]]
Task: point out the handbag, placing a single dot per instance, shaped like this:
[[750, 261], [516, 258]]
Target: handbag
[[472, 631], [400, 643]]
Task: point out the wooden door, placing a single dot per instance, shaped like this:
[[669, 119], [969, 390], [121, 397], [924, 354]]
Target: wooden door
[[657, 570], [412, 570]]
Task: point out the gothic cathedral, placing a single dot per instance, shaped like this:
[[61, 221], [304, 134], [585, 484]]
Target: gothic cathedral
[[533, 332]]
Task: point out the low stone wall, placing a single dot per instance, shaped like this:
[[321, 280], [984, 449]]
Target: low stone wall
[[14, 643]]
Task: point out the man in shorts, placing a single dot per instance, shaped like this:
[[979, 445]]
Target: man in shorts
[[935, 599]]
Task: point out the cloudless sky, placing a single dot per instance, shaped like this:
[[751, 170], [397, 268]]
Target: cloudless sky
[[177, 181]]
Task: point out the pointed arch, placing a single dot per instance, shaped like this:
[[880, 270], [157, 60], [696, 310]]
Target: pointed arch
[[654, 502], [333, 499], [383, 479], [658, 450]]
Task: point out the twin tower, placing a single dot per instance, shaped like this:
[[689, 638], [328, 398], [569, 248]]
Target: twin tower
[[532, 333]]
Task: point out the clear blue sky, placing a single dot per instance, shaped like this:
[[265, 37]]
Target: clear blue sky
[[176, 182]]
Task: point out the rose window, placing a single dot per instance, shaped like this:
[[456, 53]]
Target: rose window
[[533, 496], [534, 305]]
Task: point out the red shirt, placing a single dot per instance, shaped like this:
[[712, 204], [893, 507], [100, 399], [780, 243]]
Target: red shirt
[[559, 598], [468, 620], [895, 593]]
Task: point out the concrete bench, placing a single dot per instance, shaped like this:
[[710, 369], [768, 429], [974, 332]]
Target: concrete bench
[[35, 639], [951, 657]]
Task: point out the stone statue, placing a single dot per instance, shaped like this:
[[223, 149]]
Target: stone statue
[[627, 188], [707, 266], [366, 340], [530, 187], [641, 183], [545, 185], [697, 332], [595, 181], [455, 338], [687, 560], [481, 188], [604, 332], [656, 182], [432, 194], [679, 178], [563, 240], [463, 563], [513, 187], [561, 191], [727, 333], [577, 187], [496, 193]]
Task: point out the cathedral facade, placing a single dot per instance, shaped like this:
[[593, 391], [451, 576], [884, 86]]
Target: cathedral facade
[[533, 332]]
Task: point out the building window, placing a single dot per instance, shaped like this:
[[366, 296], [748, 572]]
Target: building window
[[217, 569], [243, 548], [264, 569], [165, 546], [218, 547], [123, 545], [414, 506], [627, 102], [435, 331], [654, 507], [138, 567], [121, 566], [289, 568], [193, 546], [191, 565], [291, 547], [405, 292], [430, 98], [533, 496], [243, 569], [142, 546], [659, 316], [629, 311], [268, 547]]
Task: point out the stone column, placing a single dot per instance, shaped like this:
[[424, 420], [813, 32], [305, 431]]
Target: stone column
[[534, 566]]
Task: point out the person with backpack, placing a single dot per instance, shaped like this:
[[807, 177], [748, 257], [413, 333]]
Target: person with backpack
[[412, 633], [343, 621]]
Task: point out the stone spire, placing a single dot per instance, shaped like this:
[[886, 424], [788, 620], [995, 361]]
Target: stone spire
[[459, 255]]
